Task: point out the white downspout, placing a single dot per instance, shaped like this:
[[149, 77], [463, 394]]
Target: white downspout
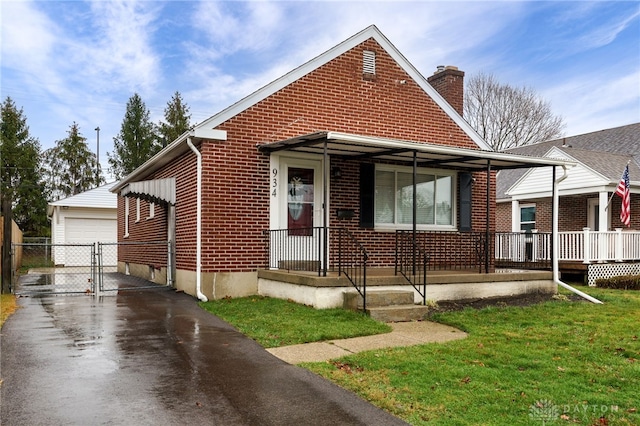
[[199, 293], [554, 221]]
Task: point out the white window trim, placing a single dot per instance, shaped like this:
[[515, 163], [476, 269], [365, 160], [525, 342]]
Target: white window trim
[[137, 210], [152, 210], [126, 217], [422, 227], [524, 206]]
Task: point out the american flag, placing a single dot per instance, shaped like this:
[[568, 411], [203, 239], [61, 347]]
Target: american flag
[[623, 191]]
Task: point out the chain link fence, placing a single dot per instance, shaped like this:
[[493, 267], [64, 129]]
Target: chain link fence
[[145, 265], [39, 274], [44, 268]]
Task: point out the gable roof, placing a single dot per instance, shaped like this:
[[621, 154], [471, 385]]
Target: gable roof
[[178, 146], [370, 32], [98, 198], [607, 164], [605, 151], [582, 178]]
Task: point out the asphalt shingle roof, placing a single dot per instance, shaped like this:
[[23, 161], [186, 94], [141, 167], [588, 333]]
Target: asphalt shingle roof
[[605, 151]]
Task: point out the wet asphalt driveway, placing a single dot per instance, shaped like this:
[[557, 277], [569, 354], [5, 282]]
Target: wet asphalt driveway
[[153, 357]]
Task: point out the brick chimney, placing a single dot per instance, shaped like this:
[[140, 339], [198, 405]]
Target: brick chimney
[[449, 82]]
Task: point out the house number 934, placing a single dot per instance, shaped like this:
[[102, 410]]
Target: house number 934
[[274, 182]]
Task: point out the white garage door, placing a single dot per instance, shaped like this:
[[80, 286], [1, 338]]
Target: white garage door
[[89, 231]]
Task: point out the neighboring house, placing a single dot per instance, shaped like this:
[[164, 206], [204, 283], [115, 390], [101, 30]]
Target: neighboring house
[[586, 195], [601, 158], [327, 156], [84, 218]]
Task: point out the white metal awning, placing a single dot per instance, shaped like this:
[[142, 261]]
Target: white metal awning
[[351, 146], [157, 190]]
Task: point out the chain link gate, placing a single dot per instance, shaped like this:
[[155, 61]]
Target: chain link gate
[[41, 269], [133, 265], [35, 263]]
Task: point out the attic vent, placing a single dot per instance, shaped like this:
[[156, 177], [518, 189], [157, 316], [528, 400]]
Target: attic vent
[[368, 62]]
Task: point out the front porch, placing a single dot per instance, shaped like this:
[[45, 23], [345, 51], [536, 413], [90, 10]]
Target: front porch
[[329, 267], [594, 254], [333, 290]]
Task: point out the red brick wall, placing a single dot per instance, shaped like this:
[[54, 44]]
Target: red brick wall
[[503, 217], [336, 97], [450, 84], [144, 231], [184, 170]]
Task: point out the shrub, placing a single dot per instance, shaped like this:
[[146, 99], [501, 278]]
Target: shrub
[[623, 282]]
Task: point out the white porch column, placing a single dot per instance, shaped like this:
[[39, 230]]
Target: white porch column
[[619, 252], [586, 254], [515, 216], [603, 216]]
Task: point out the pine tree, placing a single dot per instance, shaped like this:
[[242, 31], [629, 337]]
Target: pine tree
[[71, 166], [21, 172], [177, 117], [137, 140]]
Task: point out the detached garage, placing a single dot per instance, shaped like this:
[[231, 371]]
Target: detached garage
[[85, 218]]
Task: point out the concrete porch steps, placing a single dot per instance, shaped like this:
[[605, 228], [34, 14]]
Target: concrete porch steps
[[387, 305]]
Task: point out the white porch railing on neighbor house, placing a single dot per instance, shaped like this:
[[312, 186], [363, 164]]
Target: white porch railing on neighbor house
[[580, 246], [523, 247]]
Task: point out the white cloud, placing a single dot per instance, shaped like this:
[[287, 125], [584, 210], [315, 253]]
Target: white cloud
[[607, 32], [232, 27], [597, 100], [121, 52], [278, 37], [81, 61], [29, 40]]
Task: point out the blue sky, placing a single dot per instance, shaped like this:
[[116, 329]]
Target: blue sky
[[81, 61]]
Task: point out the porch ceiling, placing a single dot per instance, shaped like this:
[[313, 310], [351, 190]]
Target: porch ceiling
[[351, 146]]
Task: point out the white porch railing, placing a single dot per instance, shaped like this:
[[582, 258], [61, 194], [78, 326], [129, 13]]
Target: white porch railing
[[581, 246], [523, 247]]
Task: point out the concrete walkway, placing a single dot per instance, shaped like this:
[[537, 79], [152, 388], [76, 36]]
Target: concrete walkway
[[403, 334]]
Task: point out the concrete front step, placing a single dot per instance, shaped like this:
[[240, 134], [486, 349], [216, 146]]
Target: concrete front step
[[378, 298], [398, 313]]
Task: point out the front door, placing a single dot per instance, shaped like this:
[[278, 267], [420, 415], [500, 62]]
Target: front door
[[593, 216], [300, 200], [298, 213]]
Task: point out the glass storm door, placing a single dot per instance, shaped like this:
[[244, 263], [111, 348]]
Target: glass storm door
[[300, 201], [300, 215]]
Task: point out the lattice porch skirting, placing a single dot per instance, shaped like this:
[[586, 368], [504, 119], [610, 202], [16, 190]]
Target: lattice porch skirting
[[608, 270]]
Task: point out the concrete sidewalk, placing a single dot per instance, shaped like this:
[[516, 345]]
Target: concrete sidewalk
[[403, 334]]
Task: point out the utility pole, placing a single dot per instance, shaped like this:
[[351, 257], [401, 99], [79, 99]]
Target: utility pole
[[6, 243], [97, 129]]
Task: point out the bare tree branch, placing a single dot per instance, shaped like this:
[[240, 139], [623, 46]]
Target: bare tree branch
[[508, 117]]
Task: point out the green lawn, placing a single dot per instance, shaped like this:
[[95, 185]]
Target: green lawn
[[559, 362], [275, 322]]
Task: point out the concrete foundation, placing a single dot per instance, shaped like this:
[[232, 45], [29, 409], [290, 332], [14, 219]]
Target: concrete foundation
[[147, 272], [217, 285], [328, 292]]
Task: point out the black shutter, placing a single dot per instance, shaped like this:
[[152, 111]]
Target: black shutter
[[465, 180], [367, 194]]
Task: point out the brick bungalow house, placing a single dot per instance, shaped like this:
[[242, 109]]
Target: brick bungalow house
[[587, 207], [356, 140]]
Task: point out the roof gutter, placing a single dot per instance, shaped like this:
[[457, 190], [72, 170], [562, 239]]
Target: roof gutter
[[199, 293], [172, 150], [555, 265], [442, 149]]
